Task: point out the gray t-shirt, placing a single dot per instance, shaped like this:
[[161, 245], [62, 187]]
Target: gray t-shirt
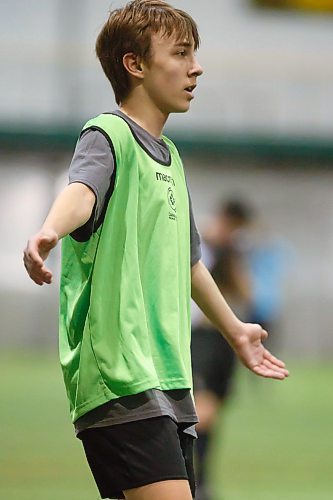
[[93, 165]]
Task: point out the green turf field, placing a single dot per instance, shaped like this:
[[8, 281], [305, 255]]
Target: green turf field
[[274, 442]]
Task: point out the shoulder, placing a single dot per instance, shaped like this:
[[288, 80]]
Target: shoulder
[[113, 127], [108, 122], [92, 139]]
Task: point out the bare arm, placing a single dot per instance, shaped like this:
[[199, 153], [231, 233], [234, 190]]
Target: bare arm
[[245, 338], [71, 209]]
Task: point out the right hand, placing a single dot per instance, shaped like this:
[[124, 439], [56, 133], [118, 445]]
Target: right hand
[[36, 252]]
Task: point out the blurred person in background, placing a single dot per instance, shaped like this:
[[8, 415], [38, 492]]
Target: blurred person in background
[[213, 360], [265, 258], [248, 262], [268, 257]]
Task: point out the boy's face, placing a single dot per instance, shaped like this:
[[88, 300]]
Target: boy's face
[[170, 75]]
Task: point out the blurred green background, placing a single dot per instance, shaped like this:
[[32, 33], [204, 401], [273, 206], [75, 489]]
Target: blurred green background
[[275, 440]]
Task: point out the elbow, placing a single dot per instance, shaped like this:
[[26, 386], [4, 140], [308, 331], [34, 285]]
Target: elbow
[[195, 272], [87, 206], [195, 267]]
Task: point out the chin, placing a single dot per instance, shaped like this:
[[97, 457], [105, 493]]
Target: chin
[[181, 109]]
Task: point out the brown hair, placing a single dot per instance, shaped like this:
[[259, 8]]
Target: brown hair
[[129, 29]]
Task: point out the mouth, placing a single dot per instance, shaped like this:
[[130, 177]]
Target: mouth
[[190, 89]]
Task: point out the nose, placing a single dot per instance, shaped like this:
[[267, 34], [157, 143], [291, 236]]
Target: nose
[[196, 69]]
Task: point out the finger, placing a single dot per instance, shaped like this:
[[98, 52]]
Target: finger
[[33, 262], [41, 276], [46, 274], [274, 367], [40, 281], [265, 372], [29, 266], [33, 258], [34, 268], [273, 359], [48, 278], [26, 258], [37, 246], [25, 263], [36, 279], [269, 364], [270, 367]]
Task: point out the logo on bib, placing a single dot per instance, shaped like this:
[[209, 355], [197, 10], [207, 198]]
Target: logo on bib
[[171, 199], [165, 178]]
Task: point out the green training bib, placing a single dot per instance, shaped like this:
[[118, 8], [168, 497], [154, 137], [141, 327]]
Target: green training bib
[[125, 293]]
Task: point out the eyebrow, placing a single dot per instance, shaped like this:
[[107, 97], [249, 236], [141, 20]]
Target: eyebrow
[[183, 44]]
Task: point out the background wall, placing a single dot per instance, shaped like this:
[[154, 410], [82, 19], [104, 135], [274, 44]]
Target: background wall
[[268, 77], [267, 72]]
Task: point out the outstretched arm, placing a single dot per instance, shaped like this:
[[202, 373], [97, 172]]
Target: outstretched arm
[[71, 209], [245, 338]]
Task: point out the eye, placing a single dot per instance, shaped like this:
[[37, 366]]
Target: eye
[[181, 52]]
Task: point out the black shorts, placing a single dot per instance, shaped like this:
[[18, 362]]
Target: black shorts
[[134, 454], [213, 361]]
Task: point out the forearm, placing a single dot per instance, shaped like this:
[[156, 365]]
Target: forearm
[[71, 209], [245, 338], [208, 297]]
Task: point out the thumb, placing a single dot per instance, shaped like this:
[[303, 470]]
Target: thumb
[[264, 334], [48, 240]]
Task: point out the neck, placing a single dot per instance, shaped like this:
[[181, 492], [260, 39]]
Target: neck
[[145, 114]]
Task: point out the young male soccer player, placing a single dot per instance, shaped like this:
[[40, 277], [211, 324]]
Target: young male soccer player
[[130, 260]]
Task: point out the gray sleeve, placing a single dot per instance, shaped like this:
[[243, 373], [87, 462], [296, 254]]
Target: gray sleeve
[[194, 236], [93, 165]]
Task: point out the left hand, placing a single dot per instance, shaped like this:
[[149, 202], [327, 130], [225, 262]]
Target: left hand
[[255, 356]]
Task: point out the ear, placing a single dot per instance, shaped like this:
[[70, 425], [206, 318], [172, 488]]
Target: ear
[[132, 64]]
